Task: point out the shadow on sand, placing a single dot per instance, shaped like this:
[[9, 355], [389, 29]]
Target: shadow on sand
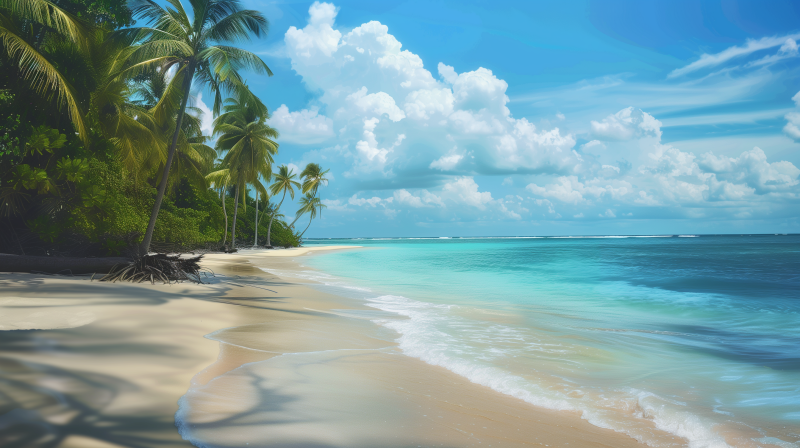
[[47, 403]]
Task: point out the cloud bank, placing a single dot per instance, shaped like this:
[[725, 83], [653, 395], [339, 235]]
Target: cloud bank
[[412, 142]]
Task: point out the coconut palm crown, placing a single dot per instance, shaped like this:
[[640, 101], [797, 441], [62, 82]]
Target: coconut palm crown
[[314, 177], [19, 44], [194, 45]]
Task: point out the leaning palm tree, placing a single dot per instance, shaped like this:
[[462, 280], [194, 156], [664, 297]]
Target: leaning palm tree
[[313, 177], [310, 204], [19, 43], [284, 183], [193, 43]]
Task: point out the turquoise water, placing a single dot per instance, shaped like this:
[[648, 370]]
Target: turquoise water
[[673, 340]]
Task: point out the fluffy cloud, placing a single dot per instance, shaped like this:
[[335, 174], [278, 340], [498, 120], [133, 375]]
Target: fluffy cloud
[[365, 74], [206, 118], [447, 73], [423, 199], [608, 214], [318, 40], [370, 157], [569, 189], [751, 169], [672, 177], [427, 103], [464, 190], [480, 90], [447, 162], [399, 128], [372, 202], [687, 179], [792, 128], [564, 190], [305, 126], [627, 124], [375, 104], [336, 205]]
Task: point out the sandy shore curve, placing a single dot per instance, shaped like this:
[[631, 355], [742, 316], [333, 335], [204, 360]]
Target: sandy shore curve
[[253, 358]]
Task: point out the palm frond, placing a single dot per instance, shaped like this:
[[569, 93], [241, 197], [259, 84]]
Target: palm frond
[[237, 26], [44, 77], [48, 14]]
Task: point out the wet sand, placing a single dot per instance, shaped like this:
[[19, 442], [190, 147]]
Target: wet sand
[[255, 360]]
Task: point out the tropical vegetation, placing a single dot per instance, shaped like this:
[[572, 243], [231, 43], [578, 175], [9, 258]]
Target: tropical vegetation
[[102, 148]]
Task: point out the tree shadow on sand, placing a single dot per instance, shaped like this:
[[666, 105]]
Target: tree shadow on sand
[[42, 405]]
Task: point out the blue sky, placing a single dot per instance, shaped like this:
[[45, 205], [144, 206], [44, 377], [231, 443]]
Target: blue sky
[[539, 118]]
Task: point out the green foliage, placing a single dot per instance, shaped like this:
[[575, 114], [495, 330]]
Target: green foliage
[[30, 178], [282, 235], [10, 128], [110, 14], [72, 170], [181, 226], [108, 204], [245, 227], [44, 140], [45, 228], [80, 156]]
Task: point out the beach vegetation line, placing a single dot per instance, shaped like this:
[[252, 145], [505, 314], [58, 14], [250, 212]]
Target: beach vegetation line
[[103, 150]]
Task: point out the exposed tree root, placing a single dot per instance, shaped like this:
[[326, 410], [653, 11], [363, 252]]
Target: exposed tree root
[[157, 267]]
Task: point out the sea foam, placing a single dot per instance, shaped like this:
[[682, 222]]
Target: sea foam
[[424, 335]]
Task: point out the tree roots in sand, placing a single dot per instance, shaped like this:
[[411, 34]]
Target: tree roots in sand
[[157, 267]]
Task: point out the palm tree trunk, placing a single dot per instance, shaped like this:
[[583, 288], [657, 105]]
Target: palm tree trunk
[[272, 218], [223, 195], [255, 243], [309, 225], [235, 212], [144, 248]]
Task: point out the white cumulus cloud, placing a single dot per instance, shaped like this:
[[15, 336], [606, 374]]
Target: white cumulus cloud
[[447, 162], [304, 126], [464, 190], [627, 124]]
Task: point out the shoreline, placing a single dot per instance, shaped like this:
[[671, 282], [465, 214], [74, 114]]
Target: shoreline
[[233, 352]]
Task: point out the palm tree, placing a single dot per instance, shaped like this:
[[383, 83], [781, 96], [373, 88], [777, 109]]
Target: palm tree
[[192, 44], [21, 47], [313, 177], [129, 126], [158, 101], [285, 183], [221, 178], [310, 204], [249, 146]]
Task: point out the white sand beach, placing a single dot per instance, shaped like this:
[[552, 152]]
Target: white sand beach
[[253, 358]]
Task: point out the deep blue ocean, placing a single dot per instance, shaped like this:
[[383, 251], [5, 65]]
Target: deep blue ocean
[[677, 340]]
